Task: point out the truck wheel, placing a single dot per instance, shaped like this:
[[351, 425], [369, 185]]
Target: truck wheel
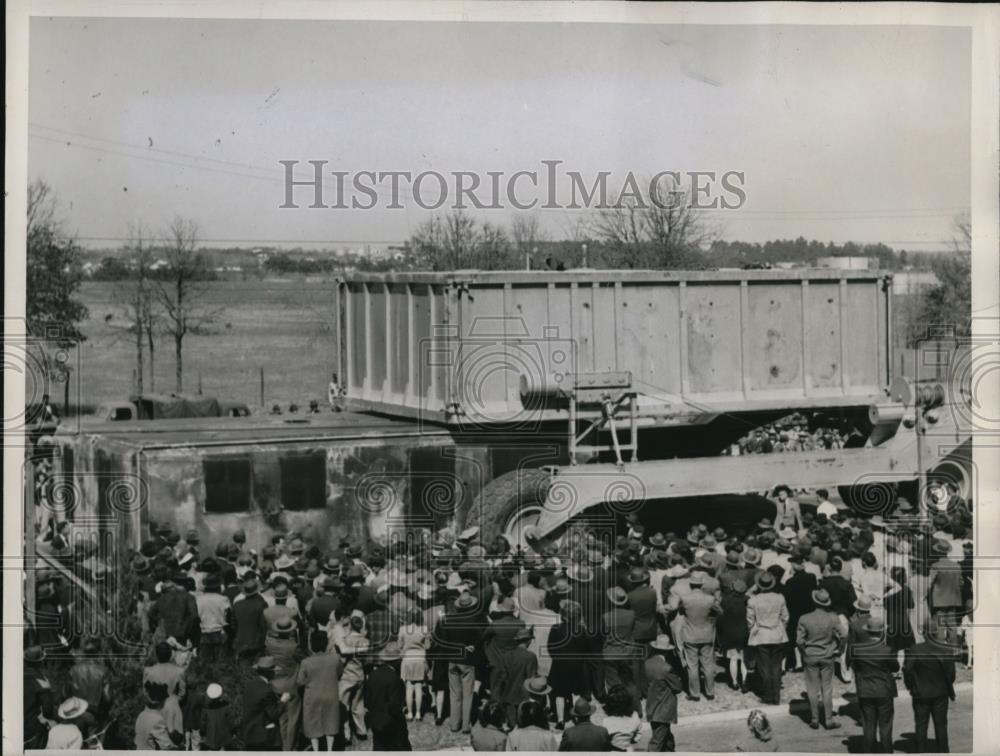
[[870, 498], [509, 504]]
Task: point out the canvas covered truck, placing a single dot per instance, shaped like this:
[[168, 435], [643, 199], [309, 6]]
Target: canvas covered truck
[[521, 402]]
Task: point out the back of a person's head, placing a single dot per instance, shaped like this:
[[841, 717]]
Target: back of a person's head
[[318, 641], [619, 702], [492, 714], [836, 564], [529, 714], [163, 652], [868, 560]]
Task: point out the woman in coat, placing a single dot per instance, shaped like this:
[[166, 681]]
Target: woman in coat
[[569, 645], [319, 676], [734, 632], [767, 617]]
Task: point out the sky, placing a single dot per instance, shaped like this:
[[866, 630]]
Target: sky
[[842, 133]]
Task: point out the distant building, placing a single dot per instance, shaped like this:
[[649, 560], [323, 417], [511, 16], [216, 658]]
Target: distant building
[[908, 282]]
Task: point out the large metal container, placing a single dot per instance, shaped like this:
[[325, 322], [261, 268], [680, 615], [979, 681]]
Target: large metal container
[[462, 346]]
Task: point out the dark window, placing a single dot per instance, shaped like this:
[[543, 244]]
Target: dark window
[[68, 482], [122, 413], [227, 485], [303, 481]]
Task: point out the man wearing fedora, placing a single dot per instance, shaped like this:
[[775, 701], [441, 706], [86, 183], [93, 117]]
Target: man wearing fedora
[[798, 590], [695, 632], [261, 709], [89, 677], [821, 638], [385, 700], [584, 735], [247, 615], [69, 732], [459, 634], [929, 675], [643, 601], [661, 696], [767, 620], [517, 665], [944, 591], [874, 666], [620, 651], [282, 646]]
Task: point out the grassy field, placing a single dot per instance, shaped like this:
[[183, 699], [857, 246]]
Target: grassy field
[[284, 326]]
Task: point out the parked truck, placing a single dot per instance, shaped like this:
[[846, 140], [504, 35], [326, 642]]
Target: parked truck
[[521, 402]]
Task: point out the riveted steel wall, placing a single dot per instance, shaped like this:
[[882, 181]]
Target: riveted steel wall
[[452, 345]]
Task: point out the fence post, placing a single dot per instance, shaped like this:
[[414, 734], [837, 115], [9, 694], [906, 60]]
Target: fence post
[[262, 388]]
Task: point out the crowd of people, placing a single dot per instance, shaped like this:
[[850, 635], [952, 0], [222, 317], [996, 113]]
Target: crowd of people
[[345, 643]]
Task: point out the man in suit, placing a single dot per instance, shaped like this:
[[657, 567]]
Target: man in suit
[[697, 634], [584, 735], [945, 586], [247, 617], [458, 635], [929, 675], [517, 666], [500, 637], [385, 700], [820, 638], [261, 709], [842, 598], [619, 651], [798, 589], [874, 665], [661, 697], [642, 600]]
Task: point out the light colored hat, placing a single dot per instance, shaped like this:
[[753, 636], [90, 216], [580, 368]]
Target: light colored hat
[[391, 652], [662, 643], [72, 708], [537, 686], [214, 691]]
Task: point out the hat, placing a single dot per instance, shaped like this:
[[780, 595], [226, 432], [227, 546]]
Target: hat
[[296, 547], [798, 563], [192, 536], [662, 642], [783, 545], [580, 574], [765, 524], [213, 691], [752, 556], [638, 575], [787, 532], [332, 564], [657, 539], [476, 551], [469, 533], [34, 654], [570, 608], [733, 558], [719, 534], [595, 557], [820, 597], [864, 603], [708, 542], [582, 708], [941, 547], [524, 634], [537, 686], [140, 565], [285, 625], [264, 663], [617, 596], [72, 708], [697, 578], [240, 536], [740, 586], [391, 652], [706, 560], [875, 625], [765, 581], [250, 586], [466, 601], [562, 586]]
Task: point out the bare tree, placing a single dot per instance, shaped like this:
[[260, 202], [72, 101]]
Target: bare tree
[[525, 234], [182, 290], [663, 230], [135, 295], [457, 241]]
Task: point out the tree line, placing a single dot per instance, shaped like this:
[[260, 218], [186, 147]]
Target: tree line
[[163, 277]]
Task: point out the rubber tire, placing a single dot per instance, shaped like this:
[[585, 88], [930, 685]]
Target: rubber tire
[[503, 496]]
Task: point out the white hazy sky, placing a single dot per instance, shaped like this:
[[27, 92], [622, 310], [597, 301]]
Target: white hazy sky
[[844, 133]]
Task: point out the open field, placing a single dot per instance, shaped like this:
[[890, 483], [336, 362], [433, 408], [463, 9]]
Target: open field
[[284, 326]]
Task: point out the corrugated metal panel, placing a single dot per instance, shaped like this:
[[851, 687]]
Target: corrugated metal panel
[[446, 345]]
